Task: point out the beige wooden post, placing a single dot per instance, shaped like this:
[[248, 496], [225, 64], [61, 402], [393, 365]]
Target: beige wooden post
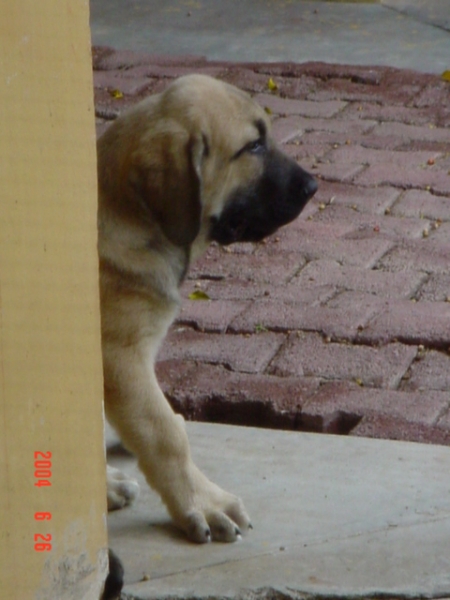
[[52, 483]]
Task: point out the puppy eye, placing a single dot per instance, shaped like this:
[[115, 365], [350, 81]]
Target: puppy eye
[[255, 147]]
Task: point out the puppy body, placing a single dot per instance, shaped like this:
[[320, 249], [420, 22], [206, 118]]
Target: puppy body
[[185, 167]]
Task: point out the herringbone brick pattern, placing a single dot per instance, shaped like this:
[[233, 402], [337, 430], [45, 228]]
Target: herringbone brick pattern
[[340, 322]]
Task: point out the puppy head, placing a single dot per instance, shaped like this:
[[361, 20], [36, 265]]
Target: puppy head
[[199, 161]]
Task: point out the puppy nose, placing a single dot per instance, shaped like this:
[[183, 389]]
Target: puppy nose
[[310, 188]]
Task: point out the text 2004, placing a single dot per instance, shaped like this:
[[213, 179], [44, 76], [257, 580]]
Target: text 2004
[[43, 475]]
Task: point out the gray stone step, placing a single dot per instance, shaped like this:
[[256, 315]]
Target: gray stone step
[[332, 516]]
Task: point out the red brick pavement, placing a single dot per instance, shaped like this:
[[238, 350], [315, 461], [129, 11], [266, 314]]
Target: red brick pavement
[[340, 322]]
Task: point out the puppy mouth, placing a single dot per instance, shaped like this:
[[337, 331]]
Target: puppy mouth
[[253, 213]]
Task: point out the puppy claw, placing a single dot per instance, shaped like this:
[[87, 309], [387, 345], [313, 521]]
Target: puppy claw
[[223, 528], [219, 528], [197, 528]]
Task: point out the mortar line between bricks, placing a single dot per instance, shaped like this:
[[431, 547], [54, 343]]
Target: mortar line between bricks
[[351, 339], [370, 129], [281, 346], [436, 193], [398, 199], [299, 270], [443, 413], [420, 284], [438, 347], [378, 261], [339, 112], [442, 416], [413, 99], [396, 186]]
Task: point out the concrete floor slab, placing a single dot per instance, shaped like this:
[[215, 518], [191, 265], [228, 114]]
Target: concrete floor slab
[[280, 30], [435, 12], [332, 516]]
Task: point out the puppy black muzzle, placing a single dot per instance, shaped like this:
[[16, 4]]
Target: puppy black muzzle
[[258, 210]]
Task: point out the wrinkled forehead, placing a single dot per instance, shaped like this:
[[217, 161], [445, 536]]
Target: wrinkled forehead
[[219, 109], [238, 121]]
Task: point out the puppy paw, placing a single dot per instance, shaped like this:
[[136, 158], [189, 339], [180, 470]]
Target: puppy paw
[[121, 489], [212, 514], [225, 524]]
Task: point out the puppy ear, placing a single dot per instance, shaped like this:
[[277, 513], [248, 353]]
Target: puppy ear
[[167, 176]]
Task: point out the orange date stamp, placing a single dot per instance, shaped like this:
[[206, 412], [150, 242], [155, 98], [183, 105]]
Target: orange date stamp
[[43, 479]]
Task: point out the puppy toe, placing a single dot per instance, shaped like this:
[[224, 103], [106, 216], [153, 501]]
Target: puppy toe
[[223, 529], [121, 489], [197, 528], [237, 513], [221, 518]]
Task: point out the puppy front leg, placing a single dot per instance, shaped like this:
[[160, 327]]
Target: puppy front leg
[[148, 426]]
